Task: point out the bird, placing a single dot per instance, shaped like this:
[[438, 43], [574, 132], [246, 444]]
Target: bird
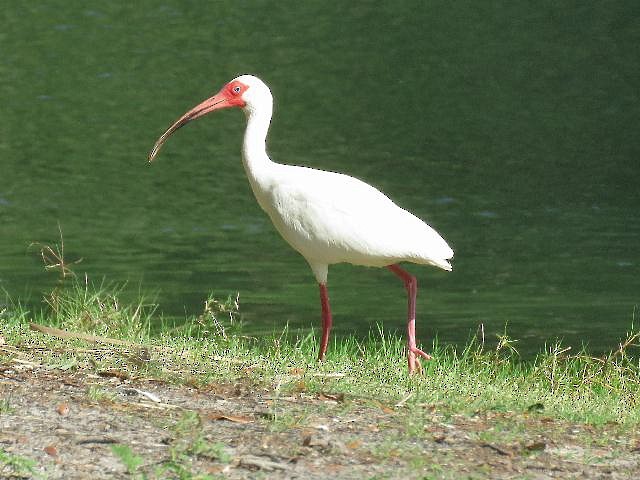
[[327, 217]]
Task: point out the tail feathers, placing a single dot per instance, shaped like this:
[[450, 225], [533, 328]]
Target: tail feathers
[[439, 259], [442, 263]]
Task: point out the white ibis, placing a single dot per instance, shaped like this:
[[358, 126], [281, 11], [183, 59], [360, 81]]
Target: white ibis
[[327, 217]]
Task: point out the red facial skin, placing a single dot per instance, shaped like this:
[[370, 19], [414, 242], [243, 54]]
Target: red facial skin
[[229, 96]]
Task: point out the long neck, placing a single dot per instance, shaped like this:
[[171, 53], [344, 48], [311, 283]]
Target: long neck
[[254, 149]]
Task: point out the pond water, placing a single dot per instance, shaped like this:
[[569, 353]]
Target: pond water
[[512, 128]]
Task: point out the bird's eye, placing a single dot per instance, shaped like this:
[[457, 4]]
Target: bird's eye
[[236, 89]]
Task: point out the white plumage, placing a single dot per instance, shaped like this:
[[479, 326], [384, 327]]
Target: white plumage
[[328, 217], [332, 218]]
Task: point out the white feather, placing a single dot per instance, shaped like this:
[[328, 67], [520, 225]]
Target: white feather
[[331, 217]]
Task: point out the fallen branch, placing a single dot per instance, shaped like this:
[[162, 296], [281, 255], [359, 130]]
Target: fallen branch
[[64, 334], [261, 463], [56, 332], [497, 449]]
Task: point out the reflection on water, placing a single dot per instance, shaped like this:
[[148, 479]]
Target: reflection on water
[[511, 129]]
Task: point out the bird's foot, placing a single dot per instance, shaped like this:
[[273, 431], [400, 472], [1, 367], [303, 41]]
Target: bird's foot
[[413, 356], [419, 352]]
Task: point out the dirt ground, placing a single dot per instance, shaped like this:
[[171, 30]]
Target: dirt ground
[[69, 423]]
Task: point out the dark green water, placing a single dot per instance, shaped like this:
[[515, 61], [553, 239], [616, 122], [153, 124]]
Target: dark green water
[[512, 127]]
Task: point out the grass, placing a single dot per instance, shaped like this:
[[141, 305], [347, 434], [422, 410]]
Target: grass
[[210, 348], [98, 394], [5, 406], [16, 466], [130, 460], [190, 442]]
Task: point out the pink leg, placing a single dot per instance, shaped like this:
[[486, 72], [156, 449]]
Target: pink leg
[[326, 320], [411, 284]]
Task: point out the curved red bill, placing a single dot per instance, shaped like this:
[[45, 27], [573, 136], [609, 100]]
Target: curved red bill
[[216, 102]]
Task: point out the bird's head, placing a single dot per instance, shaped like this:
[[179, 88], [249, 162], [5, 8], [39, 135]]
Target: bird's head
[[246, 91]]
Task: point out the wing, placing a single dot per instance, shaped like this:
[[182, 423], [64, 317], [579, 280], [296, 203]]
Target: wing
[[331, 218]]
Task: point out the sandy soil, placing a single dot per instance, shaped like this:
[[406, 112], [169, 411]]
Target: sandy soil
[[68, 424]]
